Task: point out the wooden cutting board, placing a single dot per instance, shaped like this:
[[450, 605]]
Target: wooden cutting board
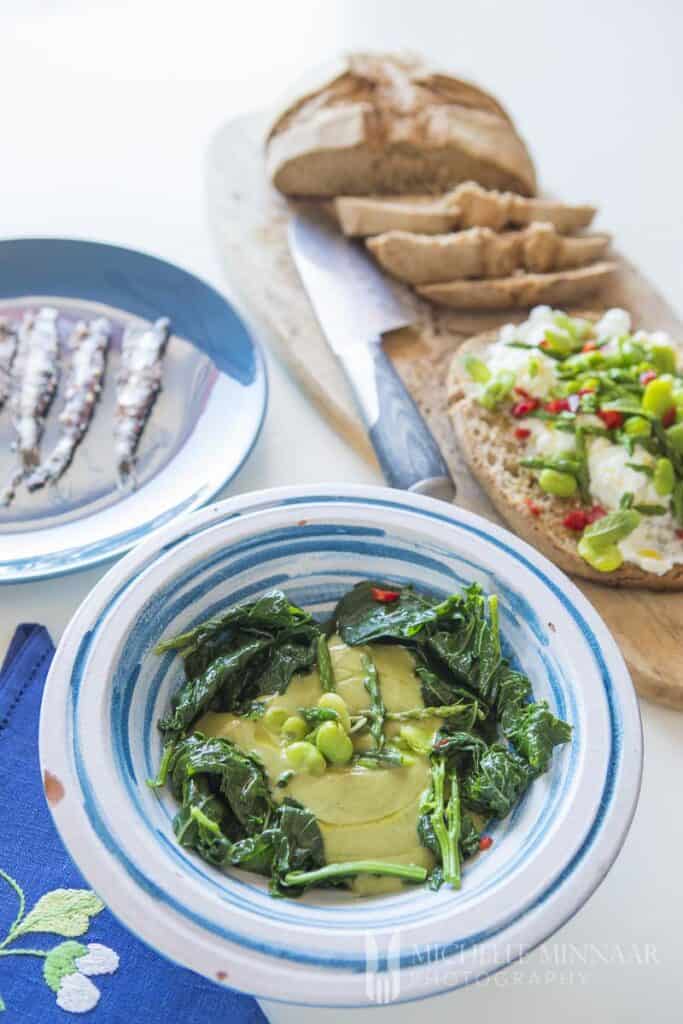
[[248, 220]]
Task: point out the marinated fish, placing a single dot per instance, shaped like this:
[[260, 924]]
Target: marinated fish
[[33, 384], [8, 348], [137, 386], [88, 346]]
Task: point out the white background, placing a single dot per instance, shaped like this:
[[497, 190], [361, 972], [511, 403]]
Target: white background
[[105, 112]]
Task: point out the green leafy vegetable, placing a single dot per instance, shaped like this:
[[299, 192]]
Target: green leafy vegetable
[[496, 781], [535, 731], [360, 619], [251, 650], [196, 695]]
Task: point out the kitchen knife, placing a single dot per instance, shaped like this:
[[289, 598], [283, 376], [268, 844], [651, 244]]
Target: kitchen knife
[[355, 305]]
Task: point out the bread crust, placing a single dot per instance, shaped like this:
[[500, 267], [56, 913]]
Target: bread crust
[[486, 440], [388, 125], [520, 291]]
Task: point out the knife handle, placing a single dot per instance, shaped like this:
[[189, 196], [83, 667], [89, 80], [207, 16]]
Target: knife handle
[[406, 451]]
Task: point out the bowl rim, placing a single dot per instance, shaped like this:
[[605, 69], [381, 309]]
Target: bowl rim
[[56, 758]]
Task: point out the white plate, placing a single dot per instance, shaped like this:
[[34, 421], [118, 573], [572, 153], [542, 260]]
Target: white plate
[[201, 428], [106, 690]]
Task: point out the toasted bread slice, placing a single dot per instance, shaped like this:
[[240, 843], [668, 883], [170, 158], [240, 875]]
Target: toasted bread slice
[[521, 291], [469, 205], [482, 253], [489, 446]]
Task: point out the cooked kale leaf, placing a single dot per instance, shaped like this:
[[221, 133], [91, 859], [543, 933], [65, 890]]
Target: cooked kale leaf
[[534, 732], [496, 781], [234, 658], [361, 619], [223, 679]]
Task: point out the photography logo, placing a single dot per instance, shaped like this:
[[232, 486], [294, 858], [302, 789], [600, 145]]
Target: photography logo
[[383, 967]]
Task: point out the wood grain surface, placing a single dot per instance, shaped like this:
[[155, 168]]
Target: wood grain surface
[[248, 220]]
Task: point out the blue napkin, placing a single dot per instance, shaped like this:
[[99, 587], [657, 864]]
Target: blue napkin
[[65, 954]]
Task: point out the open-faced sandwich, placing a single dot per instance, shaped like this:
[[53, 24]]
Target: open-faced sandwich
[[574, 426]]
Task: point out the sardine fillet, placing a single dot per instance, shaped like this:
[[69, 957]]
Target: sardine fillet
[[35, 373], [88, 346], [137, 386]]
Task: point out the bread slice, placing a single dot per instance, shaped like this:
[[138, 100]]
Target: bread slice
[[480, 207], [360, 216], [468, 205], [388, 124], [562, 287], [488, 444], [482, 253]]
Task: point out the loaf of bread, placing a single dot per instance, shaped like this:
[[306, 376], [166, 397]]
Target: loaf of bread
[[389, 125]]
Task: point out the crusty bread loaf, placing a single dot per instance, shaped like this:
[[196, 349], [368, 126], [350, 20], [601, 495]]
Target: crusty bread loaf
[[466, 206], [562, 287], [489, 446], [390, 125], [482, 253]]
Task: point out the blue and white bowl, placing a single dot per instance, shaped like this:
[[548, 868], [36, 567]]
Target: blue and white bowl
[[106, 690]]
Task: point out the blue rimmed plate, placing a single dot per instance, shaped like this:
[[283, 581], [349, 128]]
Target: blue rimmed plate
[[201, 429], [106, 689]]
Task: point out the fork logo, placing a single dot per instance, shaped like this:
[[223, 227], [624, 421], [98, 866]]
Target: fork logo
[[383, 967]]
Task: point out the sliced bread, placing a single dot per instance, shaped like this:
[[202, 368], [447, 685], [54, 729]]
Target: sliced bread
[[482, 253], [360, 216], [562, 287], [488, 444], [390, 125], [468, 205]]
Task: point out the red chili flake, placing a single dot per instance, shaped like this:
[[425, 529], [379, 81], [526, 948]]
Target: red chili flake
[[385, 596], [576, 520], [585, 391], [669, 417], [556, 405], [595, 513], [523, 393], [523, 408], [646, 377], [590, 346], [679, 534], [611, 418], [533, 507], [544, 344], [441, 743], [521, 433], [486, 842]]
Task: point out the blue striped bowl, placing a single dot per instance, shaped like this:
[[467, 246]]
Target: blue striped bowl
[[106, 690]]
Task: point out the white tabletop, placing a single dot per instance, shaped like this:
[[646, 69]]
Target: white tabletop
[[107, 108]]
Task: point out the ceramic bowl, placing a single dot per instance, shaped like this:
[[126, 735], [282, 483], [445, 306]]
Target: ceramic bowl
[[106, 690]]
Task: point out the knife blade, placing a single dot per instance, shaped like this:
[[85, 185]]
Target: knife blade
[[355, 306]]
